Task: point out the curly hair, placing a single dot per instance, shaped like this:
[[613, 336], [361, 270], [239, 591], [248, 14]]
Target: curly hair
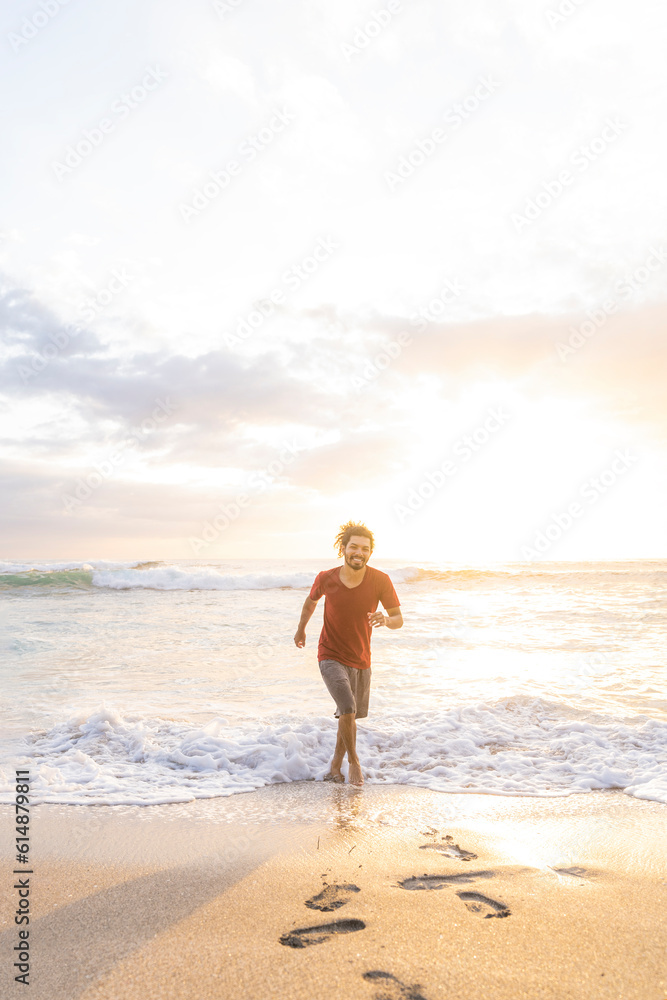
[[346, 532]]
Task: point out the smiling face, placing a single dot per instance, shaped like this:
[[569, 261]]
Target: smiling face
[[357, 551]]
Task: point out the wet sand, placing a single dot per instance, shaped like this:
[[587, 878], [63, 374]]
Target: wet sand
[[312, 890]]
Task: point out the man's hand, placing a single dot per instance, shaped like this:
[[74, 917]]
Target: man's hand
[[306, 614], [393, 618]]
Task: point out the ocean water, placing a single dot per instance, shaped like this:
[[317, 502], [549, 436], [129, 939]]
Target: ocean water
[[144, 683]]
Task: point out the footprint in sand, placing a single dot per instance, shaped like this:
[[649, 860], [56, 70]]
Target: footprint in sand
[[575, 871], [450, 850], [486, 907], [331, 897], [301, 937], [440, 881], [392, 988]]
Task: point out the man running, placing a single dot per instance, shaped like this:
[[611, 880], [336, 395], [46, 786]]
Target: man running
[[351, 595]]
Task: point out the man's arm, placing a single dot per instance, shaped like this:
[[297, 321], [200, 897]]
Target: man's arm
[[306, 614], [393, 618]]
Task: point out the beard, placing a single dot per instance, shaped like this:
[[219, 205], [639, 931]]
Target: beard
[[355, 562]]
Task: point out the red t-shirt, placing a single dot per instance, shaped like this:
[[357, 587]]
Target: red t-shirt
[[346, 633]]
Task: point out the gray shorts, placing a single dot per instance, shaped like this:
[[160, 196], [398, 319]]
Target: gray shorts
[[348, 686]]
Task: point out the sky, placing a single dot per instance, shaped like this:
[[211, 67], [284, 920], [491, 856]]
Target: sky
[[266, 268]]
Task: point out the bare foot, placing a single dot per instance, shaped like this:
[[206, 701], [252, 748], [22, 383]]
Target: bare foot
[[355, 775], [335, 774]]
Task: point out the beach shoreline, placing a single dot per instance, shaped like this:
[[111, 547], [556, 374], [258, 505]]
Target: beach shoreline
[[447, 896]]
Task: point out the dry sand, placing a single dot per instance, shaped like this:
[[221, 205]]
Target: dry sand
[[421, 894]]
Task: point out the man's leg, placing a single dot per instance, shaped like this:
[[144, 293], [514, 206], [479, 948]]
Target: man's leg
[[339, 752], [337, 679], [347, 738]]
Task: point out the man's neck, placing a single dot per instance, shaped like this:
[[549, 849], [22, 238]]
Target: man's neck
[[350, 575]]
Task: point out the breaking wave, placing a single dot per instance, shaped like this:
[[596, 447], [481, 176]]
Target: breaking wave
[[517, 746]]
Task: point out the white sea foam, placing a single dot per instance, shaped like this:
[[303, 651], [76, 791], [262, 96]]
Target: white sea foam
[[519, 746], [197, 578], [9, 568], [144, 576]]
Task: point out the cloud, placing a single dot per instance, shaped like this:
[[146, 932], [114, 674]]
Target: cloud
[[619, 359], [210, 391], [233, 412], [362, 458], [25, 323]]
